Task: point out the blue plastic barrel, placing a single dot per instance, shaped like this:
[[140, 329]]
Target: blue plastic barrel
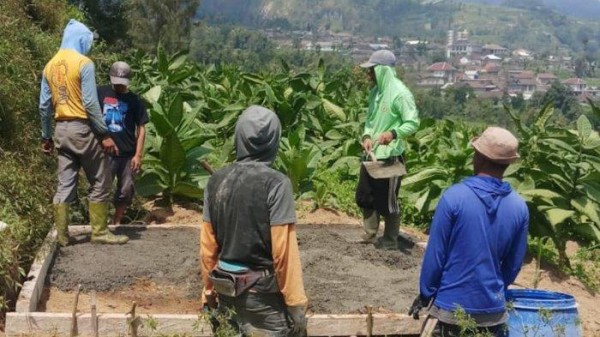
[[534, 312]]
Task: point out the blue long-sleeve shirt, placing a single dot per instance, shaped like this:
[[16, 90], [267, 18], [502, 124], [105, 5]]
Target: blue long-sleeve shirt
[[477, 242]]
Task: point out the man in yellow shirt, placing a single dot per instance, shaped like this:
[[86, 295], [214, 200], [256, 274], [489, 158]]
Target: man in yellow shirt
[[249, 250], [68, 92]]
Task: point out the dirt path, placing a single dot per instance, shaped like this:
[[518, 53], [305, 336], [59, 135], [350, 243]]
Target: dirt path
[[159, 270]]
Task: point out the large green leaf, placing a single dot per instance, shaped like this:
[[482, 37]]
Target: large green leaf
[[540, 193], [422, 201], [333, 109], [188, 189], [149, 184], [177, 62], [423, 175], [172, 154], [587, 207], [584, 127], [592, 190], [514, 168], [176, 110], [334, 134], [556, 215], [527, 184], [161, 123], [560, 144], [545, 113], [592, 142], [152, 95], [589, 230]]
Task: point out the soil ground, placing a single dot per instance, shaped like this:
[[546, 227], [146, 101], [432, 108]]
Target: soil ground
[[320, 249], [158, 269]]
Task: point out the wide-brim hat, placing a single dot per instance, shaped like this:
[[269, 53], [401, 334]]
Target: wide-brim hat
[[498, 145], [380, 57]]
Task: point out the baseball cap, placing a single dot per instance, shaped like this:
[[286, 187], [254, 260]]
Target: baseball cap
[[120, 73], [380, 57], [498, 145]]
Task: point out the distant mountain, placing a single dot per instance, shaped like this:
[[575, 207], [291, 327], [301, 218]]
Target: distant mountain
[[529, 24], [587, 9]]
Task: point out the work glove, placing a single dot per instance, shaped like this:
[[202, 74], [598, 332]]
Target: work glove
[[418, 304], [298, 317]]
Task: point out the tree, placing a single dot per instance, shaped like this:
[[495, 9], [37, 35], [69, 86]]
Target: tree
[[162, 22], [107, 17], [563, 99]]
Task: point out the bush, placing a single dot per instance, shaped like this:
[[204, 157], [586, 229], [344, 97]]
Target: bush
[[30, 31]]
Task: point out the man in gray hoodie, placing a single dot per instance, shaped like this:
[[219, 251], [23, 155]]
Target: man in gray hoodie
[[249, 251]]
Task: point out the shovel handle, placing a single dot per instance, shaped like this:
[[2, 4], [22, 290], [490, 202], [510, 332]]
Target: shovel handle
[[372, 156]]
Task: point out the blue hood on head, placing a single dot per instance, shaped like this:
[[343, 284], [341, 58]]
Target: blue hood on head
[[78, 37], [489, 190]]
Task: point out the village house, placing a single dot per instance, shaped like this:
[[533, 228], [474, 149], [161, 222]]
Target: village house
[[494, 49], [482, 88], [546, 78], [439, 74], [522, 82], [577, 85], [460, 45]]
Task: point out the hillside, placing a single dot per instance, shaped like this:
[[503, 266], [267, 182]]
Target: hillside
[[530, 26], [587, 9]]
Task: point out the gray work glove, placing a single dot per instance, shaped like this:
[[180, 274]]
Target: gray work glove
[[298, 317]]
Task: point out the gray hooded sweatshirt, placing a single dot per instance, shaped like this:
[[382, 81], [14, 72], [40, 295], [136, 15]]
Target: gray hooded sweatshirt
[[243, 200]]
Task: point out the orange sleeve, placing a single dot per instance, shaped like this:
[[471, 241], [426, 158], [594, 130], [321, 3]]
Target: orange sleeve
[[286, 264], [209, 254]]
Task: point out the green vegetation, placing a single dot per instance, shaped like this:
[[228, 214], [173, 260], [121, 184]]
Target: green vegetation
[[321, 114], [528, 26], [29, 31], [321, 102]]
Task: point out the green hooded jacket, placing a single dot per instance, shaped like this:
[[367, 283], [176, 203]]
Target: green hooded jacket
[[391, 107]]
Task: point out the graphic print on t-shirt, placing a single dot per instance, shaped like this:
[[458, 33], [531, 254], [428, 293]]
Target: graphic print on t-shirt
[[114, 114]]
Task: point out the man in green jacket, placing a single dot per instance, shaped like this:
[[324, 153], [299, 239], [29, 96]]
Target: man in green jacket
[[391, 117]]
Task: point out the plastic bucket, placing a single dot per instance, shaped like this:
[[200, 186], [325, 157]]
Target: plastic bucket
[[535, 312]]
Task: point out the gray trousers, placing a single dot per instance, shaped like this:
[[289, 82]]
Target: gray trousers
[[77, 148], [121, 170], [257, 314]]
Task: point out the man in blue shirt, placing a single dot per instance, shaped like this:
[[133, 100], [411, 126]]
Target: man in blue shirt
[[477, 242]]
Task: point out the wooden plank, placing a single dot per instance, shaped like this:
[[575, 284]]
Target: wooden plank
[[356, 325], [32, 288], [59, 324], [41, 323]]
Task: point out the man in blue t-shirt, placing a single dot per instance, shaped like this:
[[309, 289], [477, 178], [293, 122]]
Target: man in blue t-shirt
[[477, 242], [125, 117]]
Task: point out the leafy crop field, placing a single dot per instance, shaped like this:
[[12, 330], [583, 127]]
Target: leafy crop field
[[193, 112]]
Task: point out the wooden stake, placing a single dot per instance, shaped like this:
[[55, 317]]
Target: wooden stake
[[207, 166], [430, 323], [369, 321], [74, 316], [133, 321], [93, 314]]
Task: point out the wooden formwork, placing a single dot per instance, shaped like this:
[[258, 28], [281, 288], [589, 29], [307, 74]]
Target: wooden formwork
[[26, 321]]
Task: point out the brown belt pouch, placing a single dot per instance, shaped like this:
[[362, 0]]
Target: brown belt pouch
[[234, 284]]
